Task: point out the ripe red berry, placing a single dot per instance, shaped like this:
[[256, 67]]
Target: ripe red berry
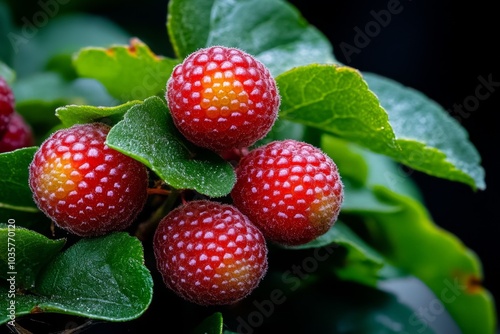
[[222, 98], [83, 185], [6, 105], [209, 253], [18, 135], [291, 190]]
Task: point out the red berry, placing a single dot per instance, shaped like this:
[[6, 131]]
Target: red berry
[[289, 189], [18, 135], [83, 185], [6, 105], [209, 253], [222, 98]]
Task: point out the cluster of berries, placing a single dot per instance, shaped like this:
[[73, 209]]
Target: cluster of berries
[[15, 132], [287, 192]]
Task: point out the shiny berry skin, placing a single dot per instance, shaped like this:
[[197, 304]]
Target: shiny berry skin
[[84, 186], [6, 105], [291, 190], [209, 253], [18, 135], [222, 98]]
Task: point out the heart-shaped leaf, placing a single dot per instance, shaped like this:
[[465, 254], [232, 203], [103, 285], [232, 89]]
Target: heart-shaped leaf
[[26, 253], [149, 135], [99, 278]]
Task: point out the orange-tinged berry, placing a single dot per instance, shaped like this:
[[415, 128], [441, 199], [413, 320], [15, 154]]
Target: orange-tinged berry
[[222, 98], [209, 253], [84, 186], [291, 190]]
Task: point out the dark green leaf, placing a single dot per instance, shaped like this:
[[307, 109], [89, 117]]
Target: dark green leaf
[[16, 194], [25, 254], [148, 134], [99, 278], [81, 114], [129, 72], [335, 306], [358, 309], [431, 140], [336, 100], [211, 325], [362, 264], [272, 30], [12, 306], [16, 199]]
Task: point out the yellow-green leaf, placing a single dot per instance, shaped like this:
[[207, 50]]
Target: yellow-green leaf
[[129, 72]]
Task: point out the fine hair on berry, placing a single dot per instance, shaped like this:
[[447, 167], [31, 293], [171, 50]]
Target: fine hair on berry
[[7, 106], [222, 98], [209, 253], [83, 185], [290, 189]]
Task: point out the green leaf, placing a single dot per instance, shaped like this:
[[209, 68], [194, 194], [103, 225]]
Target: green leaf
[[25, 253], [412, 242], [332, 306], [362, 264], [399, 228], [349, 161], [359, 199], [431, 140], [129, 72], [336, 100], [82, 114], [272, 30], [360, 168], [16, 199], [16, 194], [60, 37], [149, 135], [99, 278], [211, 325]]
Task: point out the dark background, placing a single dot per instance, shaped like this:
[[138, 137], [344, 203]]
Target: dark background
[[439, 47]]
